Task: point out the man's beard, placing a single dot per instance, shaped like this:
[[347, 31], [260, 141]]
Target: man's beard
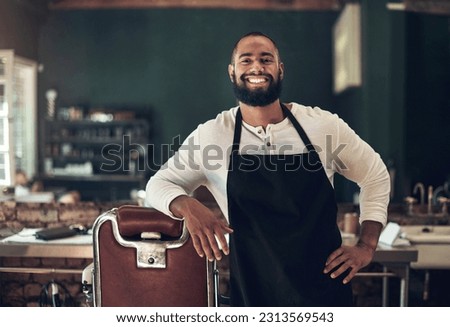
[[259, 97]]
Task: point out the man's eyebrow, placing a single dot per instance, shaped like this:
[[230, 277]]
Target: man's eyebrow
[[249, 54]]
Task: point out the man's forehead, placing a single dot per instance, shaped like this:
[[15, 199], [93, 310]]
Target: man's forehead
[[255, 45]]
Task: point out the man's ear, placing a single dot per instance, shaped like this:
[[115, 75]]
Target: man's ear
[[231, 72], [281, 70]]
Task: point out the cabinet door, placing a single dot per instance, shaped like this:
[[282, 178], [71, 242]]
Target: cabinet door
[[6, 155], [18, 131]]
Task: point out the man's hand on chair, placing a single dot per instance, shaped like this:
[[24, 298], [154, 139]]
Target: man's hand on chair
[[203, 225]]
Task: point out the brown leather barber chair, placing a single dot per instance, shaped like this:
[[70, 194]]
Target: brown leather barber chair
[[145, 258]]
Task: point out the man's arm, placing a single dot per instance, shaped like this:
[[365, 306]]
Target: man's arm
[[203, 225], [363, 166], [180, 175], [168, 190]]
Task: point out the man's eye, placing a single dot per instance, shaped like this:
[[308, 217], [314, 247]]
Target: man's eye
[[267, 60]]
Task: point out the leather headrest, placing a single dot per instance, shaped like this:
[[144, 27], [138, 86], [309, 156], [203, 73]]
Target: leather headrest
[[134, 220]]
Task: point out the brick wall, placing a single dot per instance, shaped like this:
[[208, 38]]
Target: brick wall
[[15, 216]]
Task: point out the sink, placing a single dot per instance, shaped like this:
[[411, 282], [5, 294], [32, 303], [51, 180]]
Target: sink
[[432, 243], [425, 234]]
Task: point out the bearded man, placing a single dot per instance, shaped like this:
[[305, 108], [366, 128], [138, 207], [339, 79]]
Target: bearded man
[[270, 167]]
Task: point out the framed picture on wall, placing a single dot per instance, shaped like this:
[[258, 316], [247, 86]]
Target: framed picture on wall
[[347, 64]]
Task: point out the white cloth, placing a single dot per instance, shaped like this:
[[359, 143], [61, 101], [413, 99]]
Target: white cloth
[[203, 158], [28, 235]]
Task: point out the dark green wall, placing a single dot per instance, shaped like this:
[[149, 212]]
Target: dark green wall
[[403, 106], [375, 110], [175, 61]]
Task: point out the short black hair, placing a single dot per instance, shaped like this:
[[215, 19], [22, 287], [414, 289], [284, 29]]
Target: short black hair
[[254, 33]]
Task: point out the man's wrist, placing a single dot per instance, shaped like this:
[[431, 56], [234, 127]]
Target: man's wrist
[[370, 247], [369, 235], [178, 205]]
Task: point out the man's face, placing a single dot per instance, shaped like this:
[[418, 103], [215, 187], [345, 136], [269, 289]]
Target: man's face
[[256, 72]]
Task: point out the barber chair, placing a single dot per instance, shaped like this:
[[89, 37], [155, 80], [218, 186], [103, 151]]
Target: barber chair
[[145, 258]]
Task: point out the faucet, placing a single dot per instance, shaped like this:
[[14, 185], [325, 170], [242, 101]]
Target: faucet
[[430, 200], [444, 201], [420, 187], [410, 202], [439, 189]]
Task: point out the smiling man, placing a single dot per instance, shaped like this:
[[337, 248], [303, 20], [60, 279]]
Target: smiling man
[[261, 85], [270, 167]]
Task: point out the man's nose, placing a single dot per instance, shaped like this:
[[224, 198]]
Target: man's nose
[[257, 68]]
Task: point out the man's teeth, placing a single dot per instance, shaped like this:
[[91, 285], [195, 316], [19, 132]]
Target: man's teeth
[[256, 80]]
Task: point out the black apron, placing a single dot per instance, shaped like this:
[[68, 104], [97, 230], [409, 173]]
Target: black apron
[[283, 211]]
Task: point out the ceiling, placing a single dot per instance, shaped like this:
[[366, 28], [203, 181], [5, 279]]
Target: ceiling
[[224, 4], [440, 7]]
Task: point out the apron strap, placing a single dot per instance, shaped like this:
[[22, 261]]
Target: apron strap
[[288, 113], [237, 132], [299, 129]]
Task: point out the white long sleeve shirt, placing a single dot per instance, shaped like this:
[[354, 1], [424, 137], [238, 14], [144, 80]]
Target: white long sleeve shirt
[[203, 158]]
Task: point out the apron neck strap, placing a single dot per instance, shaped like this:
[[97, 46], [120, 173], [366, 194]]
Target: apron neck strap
[[287, 112], [299, 128], [237, 132]]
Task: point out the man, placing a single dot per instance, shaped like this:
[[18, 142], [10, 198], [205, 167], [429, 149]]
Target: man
[[270, 168]]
